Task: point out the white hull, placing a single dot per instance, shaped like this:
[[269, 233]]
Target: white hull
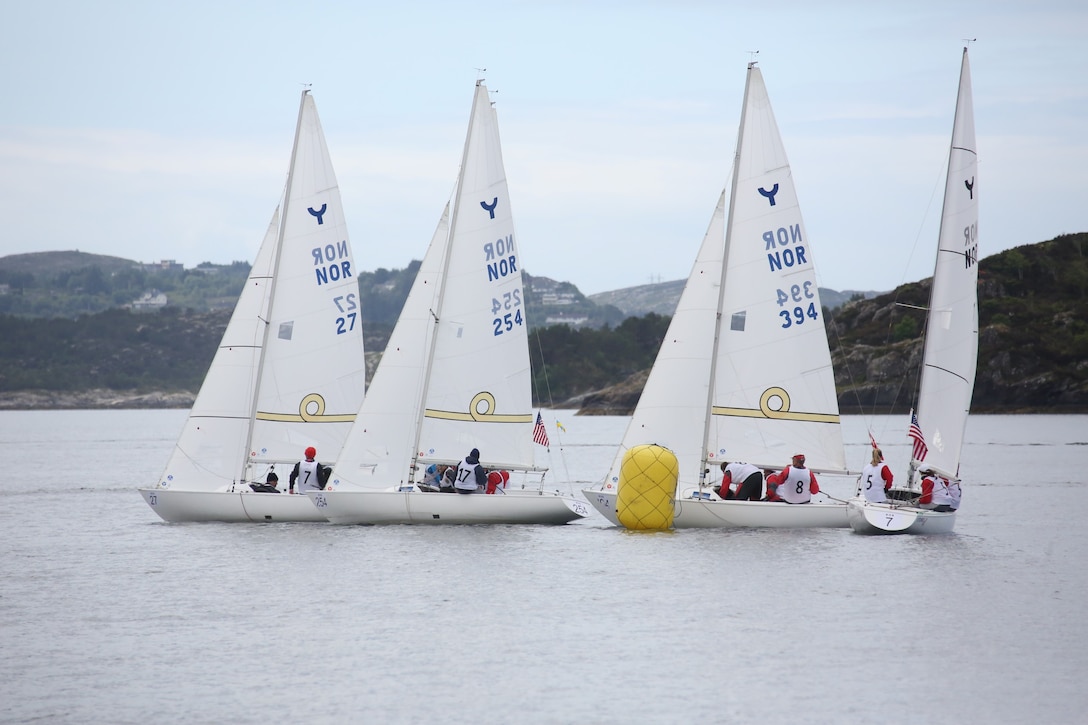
[[693, 514], [180, 506], [881, 518], [419, 507], [604, 502]]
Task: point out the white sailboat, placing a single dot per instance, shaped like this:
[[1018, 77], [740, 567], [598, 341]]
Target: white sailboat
[[744, 372], [951, 339], [289, 372], [455, 374]]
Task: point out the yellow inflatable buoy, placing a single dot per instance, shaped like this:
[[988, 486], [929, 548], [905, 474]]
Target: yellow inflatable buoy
[[647, 487]]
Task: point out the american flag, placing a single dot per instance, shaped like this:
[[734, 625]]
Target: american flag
[[540, 434], [915, 433]]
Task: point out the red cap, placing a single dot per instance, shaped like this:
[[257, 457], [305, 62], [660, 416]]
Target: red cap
[[311, 452], [799, 456]]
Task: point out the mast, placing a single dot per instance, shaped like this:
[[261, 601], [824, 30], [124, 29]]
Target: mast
[[721, 283], [437, 312], [272, 282]]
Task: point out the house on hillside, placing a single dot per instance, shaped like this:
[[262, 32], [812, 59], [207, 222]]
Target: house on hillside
[[150, 302], [168, 264]]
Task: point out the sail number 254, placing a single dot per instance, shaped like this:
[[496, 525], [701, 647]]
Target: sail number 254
[[798, 294], [507, 312]]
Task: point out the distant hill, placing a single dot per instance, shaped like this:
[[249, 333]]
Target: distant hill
[[1033, 339], [52, 263], [70, 284], [1033, 312]]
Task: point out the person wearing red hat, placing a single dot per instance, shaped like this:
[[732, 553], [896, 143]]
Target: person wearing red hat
[[798, 484], [310, 475]]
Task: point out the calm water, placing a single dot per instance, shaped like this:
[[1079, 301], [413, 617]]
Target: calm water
[[109, 615]]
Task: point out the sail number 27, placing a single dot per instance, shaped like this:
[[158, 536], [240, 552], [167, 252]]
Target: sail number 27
[[347, 305], [505, 321], [798, 294]]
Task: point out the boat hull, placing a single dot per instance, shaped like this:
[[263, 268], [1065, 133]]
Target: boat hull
[[235, 507], [694, 514], [604, 502], [866, 517], [420, 507]]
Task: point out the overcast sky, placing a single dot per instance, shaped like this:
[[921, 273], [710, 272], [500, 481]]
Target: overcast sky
[[152, 130]]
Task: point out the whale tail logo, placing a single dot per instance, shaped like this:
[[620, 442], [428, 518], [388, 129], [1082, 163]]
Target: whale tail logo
[[490, 209], [319, 213], [769, 195]]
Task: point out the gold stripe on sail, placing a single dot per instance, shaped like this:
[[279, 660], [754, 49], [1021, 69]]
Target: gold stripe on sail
[[487, 415], [310, 410], [782, 412]]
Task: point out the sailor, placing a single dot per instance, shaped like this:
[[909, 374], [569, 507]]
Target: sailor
[[497, 481], [876, 478], [773, 478], [446, 481], [935, 491], [310, 475], [798, 484], [471, 477], [748, 479], [269, 485], [430, 480]]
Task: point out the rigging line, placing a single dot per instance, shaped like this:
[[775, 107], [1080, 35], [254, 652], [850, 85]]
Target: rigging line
[[551, 404], [544, 372]]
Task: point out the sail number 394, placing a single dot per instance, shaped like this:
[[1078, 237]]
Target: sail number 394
[[797, 294], [507, 312]]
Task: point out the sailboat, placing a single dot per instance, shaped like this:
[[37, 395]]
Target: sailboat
[[289, 372], [950, 354], [744, 372], [455, 374]]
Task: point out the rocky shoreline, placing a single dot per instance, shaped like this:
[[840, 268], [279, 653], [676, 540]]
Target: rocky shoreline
[[99, 399]]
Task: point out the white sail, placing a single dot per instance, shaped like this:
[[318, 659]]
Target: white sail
[[289, 372], [455, 374], [769, 367], [951, 336], [479, 371], [672, 410], [774, 387], [951, 339], [744, 371], [379, 448], [208, 453]]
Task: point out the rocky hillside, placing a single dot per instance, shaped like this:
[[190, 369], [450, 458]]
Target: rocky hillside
[[1033, 339]]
